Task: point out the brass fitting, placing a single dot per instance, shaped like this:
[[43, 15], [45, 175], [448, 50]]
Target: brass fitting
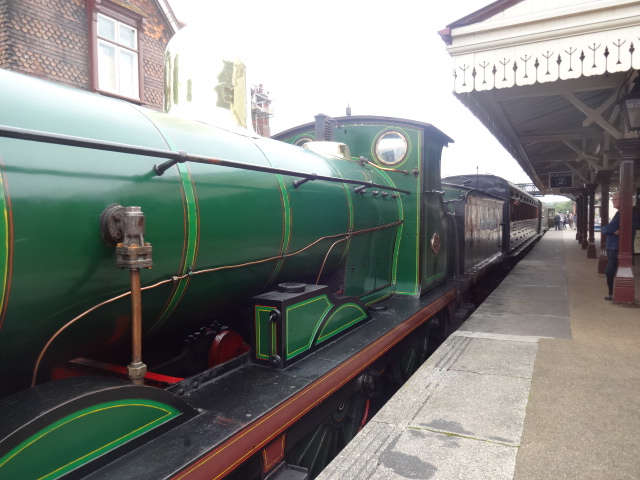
[[136, 372]]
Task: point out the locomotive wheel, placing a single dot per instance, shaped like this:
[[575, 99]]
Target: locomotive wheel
[[440, 329], [322, 444], [410, 360]]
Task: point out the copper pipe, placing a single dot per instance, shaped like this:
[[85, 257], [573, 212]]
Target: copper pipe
[[386, 169], [136, 320], [197, 272], [327, 256], [136, 369], [67, 325]]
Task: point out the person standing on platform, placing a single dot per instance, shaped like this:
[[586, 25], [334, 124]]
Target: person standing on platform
[[556, 220], [612, 232]]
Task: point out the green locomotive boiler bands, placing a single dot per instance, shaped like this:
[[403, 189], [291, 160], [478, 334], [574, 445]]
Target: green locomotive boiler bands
[[219, 234]]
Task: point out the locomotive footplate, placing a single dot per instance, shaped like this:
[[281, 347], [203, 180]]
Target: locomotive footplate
[[273, 399]]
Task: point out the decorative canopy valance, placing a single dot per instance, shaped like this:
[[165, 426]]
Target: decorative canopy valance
[[585, 39]]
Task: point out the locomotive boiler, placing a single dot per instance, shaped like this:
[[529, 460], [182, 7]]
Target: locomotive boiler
[[186, 301]]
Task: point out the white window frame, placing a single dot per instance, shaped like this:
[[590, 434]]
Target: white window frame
[[120, 50]]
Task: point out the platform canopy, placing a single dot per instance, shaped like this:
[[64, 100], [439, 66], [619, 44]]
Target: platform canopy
[[546, 78]]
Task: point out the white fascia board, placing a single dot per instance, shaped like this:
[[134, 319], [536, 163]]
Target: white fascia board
[[551, 24], [560, 44]]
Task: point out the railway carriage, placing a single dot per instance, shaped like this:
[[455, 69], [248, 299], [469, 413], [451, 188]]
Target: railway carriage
[[521, 219]]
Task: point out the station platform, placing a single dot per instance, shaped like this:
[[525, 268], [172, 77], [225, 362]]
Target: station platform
[[541, 382]]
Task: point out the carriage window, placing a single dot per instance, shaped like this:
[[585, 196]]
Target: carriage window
[[391, 148]]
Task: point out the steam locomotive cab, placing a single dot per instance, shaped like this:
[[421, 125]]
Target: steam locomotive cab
[[408, 154]]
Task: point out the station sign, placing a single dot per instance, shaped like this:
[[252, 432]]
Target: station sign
[[560, 180]]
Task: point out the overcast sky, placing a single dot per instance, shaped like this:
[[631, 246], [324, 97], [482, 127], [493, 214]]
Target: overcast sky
[[379, 57]]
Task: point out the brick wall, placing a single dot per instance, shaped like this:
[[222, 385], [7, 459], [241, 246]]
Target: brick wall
[[50, 39], [3, 32], [154, 40], [47, 39]]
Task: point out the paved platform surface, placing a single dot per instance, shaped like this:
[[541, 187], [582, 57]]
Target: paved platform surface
[[541, 382]]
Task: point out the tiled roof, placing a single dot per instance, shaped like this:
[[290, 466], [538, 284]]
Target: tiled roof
[[129, 6]]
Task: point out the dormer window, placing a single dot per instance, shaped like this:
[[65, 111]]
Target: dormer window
[[117, 57], [116, 51]]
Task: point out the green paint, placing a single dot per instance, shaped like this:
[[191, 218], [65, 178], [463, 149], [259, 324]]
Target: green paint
[[261, 319], [344, 316], [81, 437], [5, 238], [191, 244], [191, 234], [378, 295], [303, 320], [286, 227]]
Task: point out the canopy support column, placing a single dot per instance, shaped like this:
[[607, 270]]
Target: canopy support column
[[591, 244], [585, 219], [624, 284]]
